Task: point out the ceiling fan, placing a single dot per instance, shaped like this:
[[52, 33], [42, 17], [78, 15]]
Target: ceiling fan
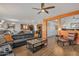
[[43, 8]]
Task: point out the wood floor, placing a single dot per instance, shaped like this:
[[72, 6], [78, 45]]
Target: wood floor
[[51, 50]]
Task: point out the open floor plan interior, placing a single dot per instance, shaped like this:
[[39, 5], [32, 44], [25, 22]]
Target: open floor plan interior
[[39, 29]]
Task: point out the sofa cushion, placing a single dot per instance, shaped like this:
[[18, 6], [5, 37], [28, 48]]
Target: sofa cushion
[[19, 40]]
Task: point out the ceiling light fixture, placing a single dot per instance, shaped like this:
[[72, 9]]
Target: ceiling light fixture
[[42, 10], [15, 20], [59, 28]]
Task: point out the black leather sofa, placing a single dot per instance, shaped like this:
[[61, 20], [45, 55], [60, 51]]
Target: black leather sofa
[[20, 39]]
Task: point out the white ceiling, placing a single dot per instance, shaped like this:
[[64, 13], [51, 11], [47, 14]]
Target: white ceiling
[[25, 14]]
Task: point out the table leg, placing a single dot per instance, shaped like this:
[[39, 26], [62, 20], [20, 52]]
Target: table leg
[[33, 49]]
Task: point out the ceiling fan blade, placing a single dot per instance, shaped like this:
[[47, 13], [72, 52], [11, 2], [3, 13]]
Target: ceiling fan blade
[[39, 12], [50, 7], [46, 11], [42, 5], [36, 8]]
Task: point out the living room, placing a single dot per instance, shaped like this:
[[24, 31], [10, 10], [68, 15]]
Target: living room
[[39, 29]]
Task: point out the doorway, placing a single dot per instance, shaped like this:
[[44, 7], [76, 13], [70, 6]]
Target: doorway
[[51, 28]]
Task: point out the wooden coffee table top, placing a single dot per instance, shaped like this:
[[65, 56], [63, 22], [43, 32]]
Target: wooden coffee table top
[[34, 41]]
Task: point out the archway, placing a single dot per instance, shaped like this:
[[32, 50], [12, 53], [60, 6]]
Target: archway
[[58, 17]]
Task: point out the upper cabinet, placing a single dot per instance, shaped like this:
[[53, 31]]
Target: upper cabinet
[[71, 23]]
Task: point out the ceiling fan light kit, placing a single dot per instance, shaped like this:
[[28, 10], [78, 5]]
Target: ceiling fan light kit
[[42, 10]]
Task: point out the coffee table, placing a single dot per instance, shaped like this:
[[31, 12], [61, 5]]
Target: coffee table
[[35, 44]]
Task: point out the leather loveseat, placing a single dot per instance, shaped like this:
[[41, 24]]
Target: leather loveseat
[[20, 39]]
